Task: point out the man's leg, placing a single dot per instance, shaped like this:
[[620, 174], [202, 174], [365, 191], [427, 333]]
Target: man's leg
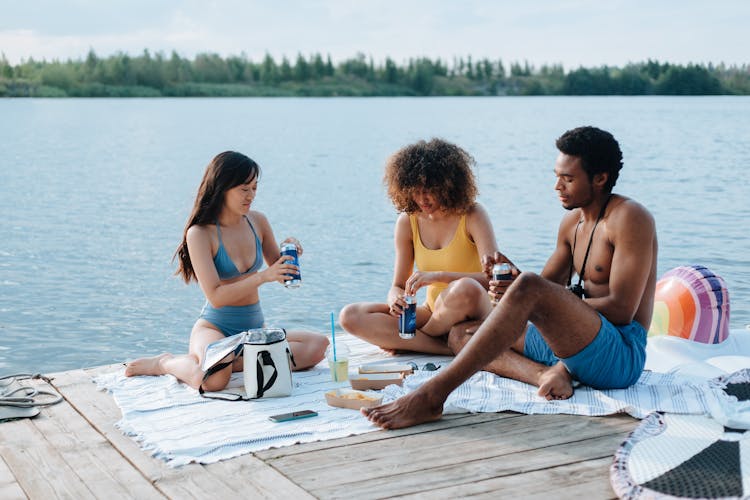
[[566, 322], [554, 382]]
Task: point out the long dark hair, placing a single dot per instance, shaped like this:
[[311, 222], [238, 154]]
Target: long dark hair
[[227, 170]]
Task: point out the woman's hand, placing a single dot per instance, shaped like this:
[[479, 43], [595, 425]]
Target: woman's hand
[[295, 242], [420, 279], [396, 302], [279, 270]]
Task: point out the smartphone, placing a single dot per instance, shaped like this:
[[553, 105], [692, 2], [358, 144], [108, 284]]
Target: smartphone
[[292, 416]]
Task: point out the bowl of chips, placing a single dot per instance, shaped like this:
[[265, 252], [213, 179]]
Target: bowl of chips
[[353, 399]]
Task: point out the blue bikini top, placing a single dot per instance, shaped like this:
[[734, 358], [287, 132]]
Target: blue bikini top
[[224, 265]]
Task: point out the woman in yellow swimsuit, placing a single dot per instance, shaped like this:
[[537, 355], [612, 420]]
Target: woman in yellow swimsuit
[[443, 231]]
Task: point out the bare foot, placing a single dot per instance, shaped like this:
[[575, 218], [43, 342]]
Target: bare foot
[[414, 408], [556, 383], [147, 366]]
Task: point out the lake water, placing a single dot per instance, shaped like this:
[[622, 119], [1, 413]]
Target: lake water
[[94, 195]]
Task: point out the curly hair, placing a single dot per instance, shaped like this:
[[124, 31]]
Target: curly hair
[[439, 167], [598, 150]]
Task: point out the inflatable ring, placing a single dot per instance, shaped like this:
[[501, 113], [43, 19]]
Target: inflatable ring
[[691, 302]]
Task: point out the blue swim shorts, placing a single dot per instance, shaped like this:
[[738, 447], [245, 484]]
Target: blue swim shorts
[[232, 320], [613, 360]]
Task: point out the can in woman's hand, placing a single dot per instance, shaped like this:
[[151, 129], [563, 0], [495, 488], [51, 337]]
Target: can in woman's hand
[[407, 322], [295, 280]]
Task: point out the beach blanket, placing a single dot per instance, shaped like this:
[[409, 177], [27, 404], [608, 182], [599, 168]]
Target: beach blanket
[[173, 423]]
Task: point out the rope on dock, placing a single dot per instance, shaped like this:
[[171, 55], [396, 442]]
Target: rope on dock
[[25, 396]]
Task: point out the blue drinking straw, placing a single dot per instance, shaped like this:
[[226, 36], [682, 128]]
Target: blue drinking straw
[[333, 338]]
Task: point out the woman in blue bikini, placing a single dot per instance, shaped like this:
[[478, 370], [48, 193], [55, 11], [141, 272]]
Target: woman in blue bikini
[[222, 237]]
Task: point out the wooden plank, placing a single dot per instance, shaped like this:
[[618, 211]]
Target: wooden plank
[[190, 481], [377, 460], [461, 478], [588, 479], [9, 487], [449, 421], [93, 459], [99, 408], [250, 477], [37, 466]]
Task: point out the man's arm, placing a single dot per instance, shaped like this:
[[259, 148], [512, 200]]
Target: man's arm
[[632, 232], [557, 267]]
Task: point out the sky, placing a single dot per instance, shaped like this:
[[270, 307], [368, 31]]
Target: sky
[[569, 32]]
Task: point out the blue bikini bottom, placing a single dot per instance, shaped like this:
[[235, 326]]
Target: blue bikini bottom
[[232, 320]]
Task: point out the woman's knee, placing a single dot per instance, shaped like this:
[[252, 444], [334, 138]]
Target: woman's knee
[[350, 317], [463, 293], [319, 343], [308, 349], [216, 382]]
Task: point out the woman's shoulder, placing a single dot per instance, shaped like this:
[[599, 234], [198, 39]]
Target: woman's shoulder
[[404, 220], [404, 224], [257, 218], [201, 234], [476, 212]]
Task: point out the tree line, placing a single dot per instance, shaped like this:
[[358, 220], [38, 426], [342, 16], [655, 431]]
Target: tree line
[[158, 75]]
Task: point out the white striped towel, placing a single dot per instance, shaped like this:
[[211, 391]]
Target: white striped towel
[[485, 392]]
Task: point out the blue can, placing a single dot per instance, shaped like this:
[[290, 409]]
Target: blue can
[[407, 322], [295, 280]]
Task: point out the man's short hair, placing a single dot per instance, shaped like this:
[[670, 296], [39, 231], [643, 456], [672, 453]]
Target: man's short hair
[[598, 150]]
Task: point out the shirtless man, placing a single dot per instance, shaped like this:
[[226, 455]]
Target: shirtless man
[[544, 333]]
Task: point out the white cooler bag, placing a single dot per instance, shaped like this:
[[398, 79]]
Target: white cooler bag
[[268, 364]]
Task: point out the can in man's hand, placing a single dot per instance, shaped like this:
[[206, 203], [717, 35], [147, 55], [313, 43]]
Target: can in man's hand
[[501, 272]]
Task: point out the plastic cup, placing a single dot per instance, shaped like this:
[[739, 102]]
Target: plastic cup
[[340, 366]]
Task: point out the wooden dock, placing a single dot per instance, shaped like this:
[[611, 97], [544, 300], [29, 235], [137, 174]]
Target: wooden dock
[[73, 450]]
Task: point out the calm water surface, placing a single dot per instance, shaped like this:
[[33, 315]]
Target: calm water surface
[[94, 195]]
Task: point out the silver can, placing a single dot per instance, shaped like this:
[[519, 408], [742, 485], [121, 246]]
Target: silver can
[[501, 271]]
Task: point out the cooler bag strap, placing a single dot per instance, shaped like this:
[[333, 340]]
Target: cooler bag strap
[[291, 356], [264, 358]]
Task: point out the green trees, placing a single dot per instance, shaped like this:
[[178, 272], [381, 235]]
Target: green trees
[[691, 80], [147, 74]]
